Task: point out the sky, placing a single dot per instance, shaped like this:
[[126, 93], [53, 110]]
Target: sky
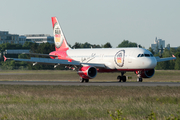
[[96, 21]]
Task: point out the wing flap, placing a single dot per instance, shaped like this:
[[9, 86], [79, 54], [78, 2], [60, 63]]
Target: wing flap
[[48, 61], [58, 61], [47, 55], [94, 64]]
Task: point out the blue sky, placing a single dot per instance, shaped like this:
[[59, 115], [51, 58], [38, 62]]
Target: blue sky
[[96, 21]]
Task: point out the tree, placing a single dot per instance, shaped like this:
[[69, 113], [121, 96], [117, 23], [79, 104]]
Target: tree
[[107, 45], [173, 51], [126, 43], [34, 47], [151, 50], [178, 49], [177, 64], [76, 45], [177, 61], [157, 49], [177, 54], [27, 45], [85, 45], [163, 65]]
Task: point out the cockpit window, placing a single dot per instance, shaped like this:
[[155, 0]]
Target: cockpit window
[[151, 55], [139, 55], [145, 55], [142, 55]]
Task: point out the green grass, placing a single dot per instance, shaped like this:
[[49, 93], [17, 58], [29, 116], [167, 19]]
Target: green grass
[[86, 102], [67, 75]]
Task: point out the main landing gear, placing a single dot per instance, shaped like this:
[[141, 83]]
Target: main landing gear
[[83, 80], [122, 77]]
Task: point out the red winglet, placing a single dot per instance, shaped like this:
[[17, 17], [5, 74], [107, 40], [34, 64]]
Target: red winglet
[[69, 60], [5, 58], [173, 56]]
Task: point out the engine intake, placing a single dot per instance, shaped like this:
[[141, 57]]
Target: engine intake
[[87, 72], [148, 73]]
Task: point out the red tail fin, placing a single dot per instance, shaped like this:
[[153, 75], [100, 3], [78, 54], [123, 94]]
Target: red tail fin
[[59, 39]]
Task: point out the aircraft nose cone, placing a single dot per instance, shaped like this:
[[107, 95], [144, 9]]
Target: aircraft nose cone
[[151, 63]]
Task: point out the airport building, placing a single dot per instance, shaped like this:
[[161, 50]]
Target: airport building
[[5, 37], [158, 43], [36, 38]]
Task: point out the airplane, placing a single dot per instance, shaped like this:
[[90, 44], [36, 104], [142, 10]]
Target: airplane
[[88, 62]]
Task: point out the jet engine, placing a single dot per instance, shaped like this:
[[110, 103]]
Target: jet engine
[[87, 72], [147, 73]]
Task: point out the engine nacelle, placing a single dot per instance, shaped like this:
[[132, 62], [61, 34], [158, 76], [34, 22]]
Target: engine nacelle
[[147, 73], [87, 72]]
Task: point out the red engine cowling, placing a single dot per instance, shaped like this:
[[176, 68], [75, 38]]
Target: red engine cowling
[[147, 73], [87, 72]]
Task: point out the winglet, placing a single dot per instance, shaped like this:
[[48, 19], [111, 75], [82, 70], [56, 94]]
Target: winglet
[[5, 58], [173, 56]]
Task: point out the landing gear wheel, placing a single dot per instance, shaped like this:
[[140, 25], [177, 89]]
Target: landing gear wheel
[[121, 78], [139, 79], [124, 78], [81, 79], [86, 80]]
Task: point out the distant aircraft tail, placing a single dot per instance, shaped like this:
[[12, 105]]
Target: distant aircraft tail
[[59, 38]]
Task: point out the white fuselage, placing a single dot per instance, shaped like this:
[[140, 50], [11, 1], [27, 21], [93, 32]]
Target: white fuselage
[[116, 58]]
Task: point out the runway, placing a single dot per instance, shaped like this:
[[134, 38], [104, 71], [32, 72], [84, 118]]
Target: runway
[[68, 83]]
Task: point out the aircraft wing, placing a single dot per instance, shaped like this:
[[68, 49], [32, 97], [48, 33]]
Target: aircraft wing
[[97, 65], [47, 55], [50, 61], [165, 59]]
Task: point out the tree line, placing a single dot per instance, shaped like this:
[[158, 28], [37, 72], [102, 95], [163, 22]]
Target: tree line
[[46, 48]]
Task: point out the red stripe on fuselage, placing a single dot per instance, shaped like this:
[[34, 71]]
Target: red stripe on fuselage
[[120, 70]]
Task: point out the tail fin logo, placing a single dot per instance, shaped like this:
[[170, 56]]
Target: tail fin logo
[[59, 38], [58, 35]]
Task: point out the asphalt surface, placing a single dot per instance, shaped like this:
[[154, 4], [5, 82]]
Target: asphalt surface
[[68, 83]]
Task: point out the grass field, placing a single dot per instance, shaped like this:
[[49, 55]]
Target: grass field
[[86, 102], [81, 102], [57, 75]]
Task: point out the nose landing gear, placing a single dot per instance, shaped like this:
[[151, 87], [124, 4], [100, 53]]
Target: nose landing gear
[[139, 79]]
